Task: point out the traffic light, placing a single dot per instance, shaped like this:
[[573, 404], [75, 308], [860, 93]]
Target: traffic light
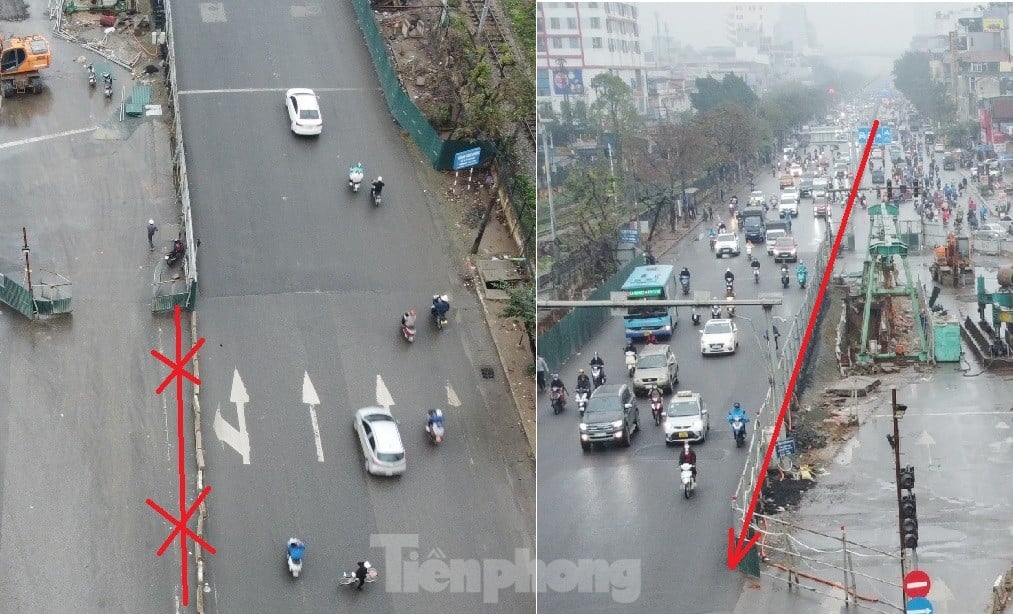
[[889, 189], [907, 477], [909, 521], [916, 188]]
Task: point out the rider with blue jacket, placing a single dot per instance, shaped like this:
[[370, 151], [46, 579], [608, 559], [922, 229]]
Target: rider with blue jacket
[[738, 413]]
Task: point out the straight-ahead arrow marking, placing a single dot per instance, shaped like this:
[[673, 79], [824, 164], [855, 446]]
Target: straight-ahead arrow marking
[[452, 399], [309, 397], [383, 398]]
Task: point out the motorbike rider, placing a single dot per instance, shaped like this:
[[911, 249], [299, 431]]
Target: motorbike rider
[[354, 171], [687, 455], [596, 360], [361, 573], [583, 382], [737, 413], [435, 419], [296, 547], [684, 276], [441, 305], [377, 186], [408, 319], [649, 339], [629, 348], [755, 265], [557, 384], [729, 276], [801, 272]]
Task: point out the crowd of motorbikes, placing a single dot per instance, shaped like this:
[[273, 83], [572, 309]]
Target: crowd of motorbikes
[[295, 549], [107, 80], [737, 418]]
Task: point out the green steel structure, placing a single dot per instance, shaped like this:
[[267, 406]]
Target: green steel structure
[[880, 282]]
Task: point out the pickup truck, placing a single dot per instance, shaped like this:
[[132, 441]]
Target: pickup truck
[[786, 181]]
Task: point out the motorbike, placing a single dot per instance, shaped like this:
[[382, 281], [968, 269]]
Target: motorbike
[[715, 312], [801, 275], [176, 255], [756, 275], [713, 241], [688, 481], [376, 198], [631, 362], [785, 281], [558, 400], [657, 406], [293, 555], [685, 284], [581, 396], [730, 308], [749, 249], [597, 375], [729, 289], [355, 174], [739, 432], [348, 577], [107, 79], [695, 317], [408, 332], [435, 432], [440, 319], [91, 74]]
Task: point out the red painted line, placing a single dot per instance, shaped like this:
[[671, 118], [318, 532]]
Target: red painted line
[[178, 373], [737, 548]]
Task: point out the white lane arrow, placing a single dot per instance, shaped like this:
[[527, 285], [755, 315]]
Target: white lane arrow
[[926, 440], [309, 397], [237, 439], [452, 399], [383, 398]]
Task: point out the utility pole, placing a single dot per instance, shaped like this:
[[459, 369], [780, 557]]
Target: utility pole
[[776, 388], [548, 183], [898, 411]]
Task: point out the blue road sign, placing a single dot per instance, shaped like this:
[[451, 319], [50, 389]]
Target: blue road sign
[[919, 605], [467, 158], [629, 236], [884, 135], [786, 447]]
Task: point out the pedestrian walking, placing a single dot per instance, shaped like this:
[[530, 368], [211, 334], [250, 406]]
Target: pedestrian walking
[[540, 368], [152, 229]]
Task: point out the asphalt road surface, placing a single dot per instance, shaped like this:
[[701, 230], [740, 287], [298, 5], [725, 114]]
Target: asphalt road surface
[[303, 281], [615, 504]]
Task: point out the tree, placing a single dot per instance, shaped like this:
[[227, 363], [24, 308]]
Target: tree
[[673, 156], [734, 135], [913, 77], [613, 106], [521, 305], [712, 93]]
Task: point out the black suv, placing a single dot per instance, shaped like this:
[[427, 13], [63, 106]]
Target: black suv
[[611, 416]]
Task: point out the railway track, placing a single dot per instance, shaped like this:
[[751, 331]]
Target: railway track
[[495, 34]]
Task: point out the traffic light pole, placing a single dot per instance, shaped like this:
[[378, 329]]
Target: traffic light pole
[[900, 516]]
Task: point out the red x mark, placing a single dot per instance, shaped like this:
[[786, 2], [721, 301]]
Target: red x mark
[[181, 529]]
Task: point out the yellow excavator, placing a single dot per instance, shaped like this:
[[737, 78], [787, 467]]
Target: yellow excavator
[[21, 59]]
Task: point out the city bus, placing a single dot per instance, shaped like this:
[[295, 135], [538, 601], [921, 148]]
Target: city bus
[[656, 281]]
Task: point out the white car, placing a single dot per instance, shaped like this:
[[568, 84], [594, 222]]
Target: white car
[[796, 170], [938, 148], [686, 419], [727, 243], [788, 205], [304, 111], [380, 440], [719, 337], [756, 198]]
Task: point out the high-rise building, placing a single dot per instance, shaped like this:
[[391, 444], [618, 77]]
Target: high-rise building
[[576, 41], [748, 25]]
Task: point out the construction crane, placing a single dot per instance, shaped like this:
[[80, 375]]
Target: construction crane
[[881, 285]]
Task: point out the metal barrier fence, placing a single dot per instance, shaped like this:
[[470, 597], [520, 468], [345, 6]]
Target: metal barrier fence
[[789, 343], [560, 342], [166, 294], [440, 153]]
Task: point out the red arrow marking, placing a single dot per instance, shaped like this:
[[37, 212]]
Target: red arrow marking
[[737, 548]]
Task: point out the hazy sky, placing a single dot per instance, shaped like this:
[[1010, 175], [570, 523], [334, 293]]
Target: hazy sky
[[841, 27]]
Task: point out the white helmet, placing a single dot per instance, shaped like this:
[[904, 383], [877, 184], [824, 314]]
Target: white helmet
[[445, 298], [151, 221], [379, 178], [366, 564]]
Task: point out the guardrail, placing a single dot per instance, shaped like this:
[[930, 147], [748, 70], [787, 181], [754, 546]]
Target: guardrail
[[789, 343]]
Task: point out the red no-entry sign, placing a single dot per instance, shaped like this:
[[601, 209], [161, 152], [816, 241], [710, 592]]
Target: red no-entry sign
[[917, 583]]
